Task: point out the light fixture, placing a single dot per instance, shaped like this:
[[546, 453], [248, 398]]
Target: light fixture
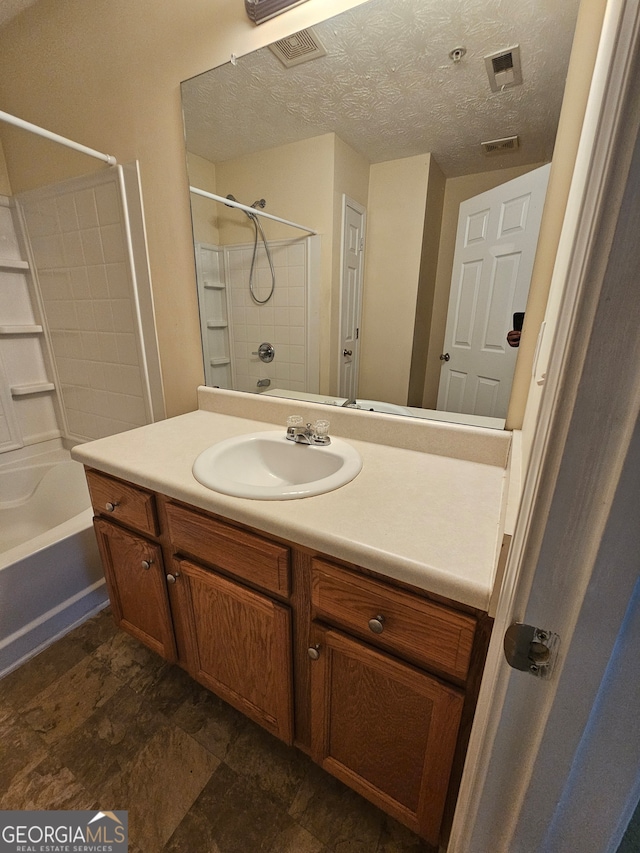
[[261, 10]]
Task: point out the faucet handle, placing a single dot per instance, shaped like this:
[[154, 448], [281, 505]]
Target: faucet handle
[[294, 422], [321, 427], [321, 432]]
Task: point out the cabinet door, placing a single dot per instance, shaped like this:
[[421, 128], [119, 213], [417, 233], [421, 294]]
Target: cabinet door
[[134, 572], [240, 647], [385, 728]]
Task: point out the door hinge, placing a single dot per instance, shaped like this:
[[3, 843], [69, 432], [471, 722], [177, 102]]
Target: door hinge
[[362, 244], [531, 649], [357, 333]]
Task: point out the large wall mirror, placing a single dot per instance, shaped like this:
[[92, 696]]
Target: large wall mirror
[[365, 134]]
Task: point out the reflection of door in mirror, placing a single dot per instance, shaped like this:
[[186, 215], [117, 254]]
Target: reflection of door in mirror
[[495, 249], [353, 231]]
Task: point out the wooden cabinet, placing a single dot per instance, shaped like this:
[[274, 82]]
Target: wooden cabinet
[[134, 571], [387, 701], [240, 646], [385, 728], [418, 630], [379, 720]]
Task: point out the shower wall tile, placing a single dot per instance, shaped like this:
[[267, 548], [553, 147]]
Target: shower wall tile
[[281, 322], [80, 251]]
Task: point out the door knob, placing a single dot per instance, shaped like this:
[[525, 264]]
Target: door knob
[[146, 564], [314, 652], [347, 352], [445, 356], [173, 578], [110, 506]]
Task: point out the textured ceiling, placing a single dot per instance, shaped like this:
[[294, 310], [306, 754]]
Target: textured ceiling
[[388, 88]]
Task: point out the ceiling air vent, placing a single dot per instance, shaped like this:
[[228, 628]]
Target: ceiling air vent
[[501, 146], [504, 69], [261, 10], [300, 47]]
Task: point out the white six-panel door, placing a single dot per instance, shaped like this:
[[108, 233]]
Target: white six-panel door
[[495, 249]]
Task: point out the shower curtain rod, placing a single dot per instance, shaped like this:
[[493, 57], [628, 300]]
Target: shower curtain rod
[[248, 209], [55, 137]]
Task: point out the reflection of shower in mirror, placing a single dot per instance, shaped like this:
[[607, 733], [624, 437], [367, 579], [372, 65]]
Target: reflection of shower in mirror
[[257, 226]]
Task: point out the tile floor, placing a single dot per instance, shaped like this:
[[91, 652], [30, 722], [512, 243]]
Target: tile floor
[[97, 721]]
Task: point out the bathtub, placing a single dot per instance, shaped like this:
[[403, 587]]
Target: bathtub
[[51, 577]]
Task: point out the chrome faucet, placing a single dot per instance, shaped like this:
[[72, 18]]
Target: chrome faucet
[[308, 434], [350, 404], [300, 434]]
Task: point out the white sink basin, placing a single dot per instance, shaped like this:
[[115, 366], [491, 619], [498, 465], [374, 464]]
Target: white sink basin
[[268, 466]]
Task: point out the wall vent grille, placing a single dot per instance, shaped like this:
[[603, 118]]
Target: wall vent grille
[[501, 146], [300, 47]]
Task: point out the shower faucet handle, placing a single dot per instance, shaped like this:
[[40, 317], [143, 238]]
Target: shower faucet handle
[[265, 352]]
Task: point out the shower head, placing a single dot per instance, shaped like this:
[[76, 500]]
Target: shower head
[[261, 203]]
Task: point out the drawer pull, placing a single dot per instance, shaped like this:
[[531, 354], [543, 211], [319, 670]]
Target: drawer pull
[[377, 624], [173, 578], [110, 507], [146, 564], [314, 652]]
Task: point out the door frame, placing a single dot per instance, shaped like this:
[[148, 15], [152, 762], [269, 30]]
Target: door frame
[[569, 489], [349, 202]]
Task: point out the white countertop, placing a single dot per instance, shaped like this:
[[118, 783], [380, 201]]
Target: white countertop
[[428, 519]]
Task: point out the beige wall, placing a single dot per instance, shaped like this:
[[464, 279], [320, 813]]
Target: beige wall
[[5, 185], [112, 70], [202, 174], [397, 199], [427, 283]]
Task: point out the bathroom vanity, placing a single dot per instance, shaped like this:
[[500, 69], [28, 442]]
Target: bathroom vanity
[[338, 622]]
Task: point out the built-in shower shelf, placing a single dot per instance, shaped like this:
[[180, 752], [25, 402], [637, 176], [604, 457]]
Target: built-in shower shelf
[[217, 324], [13, 264], [32, 388], [21, 330], [214, 362], [214, 285]]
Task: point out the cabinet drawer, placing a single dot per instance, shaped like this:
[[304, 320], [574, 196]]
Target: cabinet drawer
[[245, 555], [418, 630], [123, 502]]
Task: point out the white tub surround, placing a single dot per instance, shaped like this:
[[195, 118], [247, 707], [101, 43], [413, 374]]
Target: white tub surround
[[426, 508], [50, 572]]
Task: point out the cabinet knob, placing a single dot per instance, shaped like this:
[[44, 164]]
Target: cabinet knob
[[173, 578], [314, 651], [377, 624], [110, 507], [146, 564]]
